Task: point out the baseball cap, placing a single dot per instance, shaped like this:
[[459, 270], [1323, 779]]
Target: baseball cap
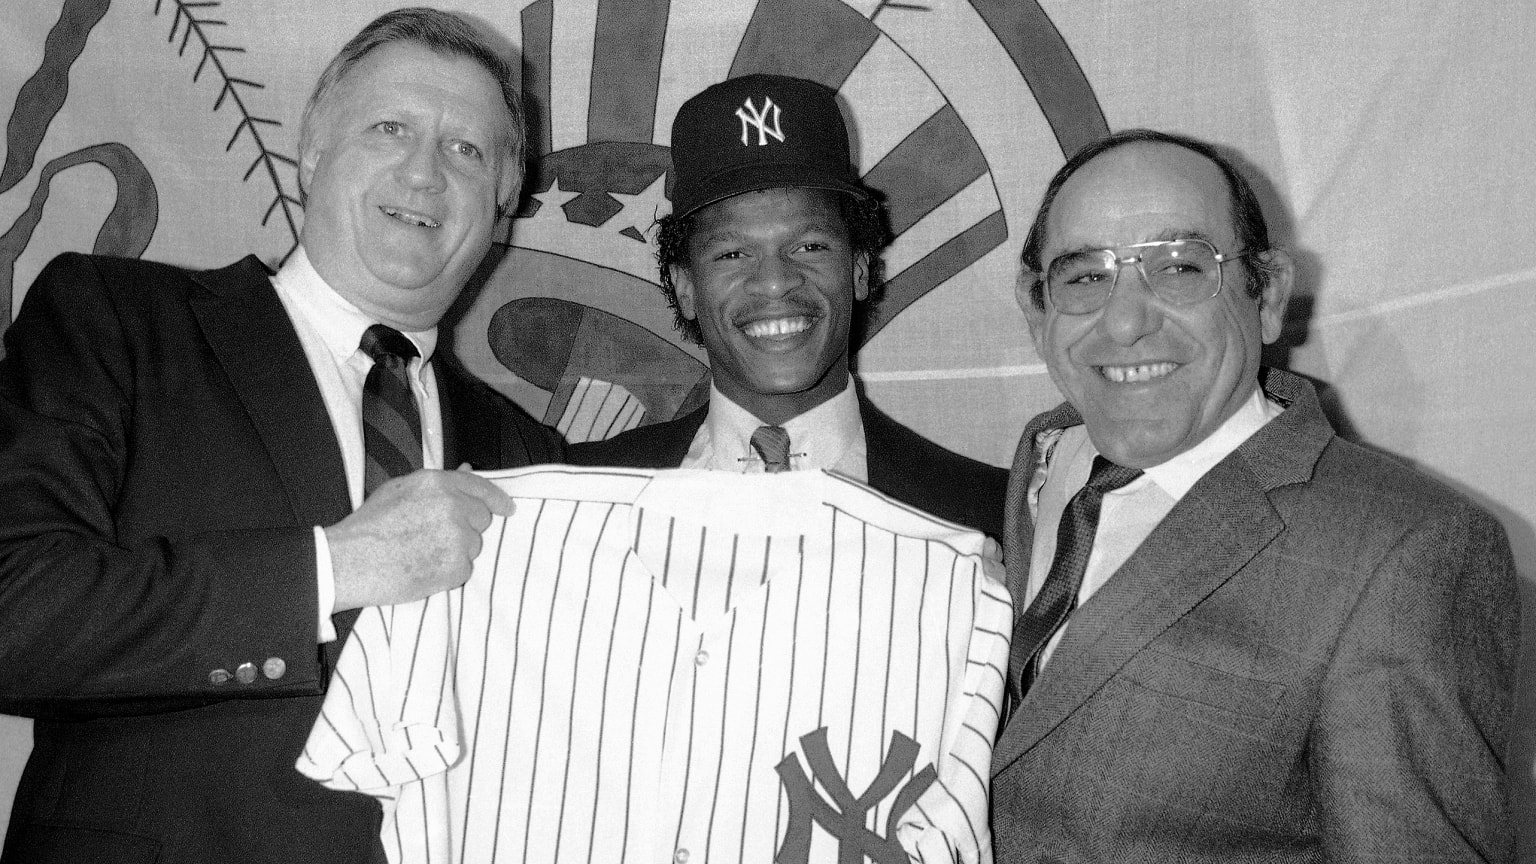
[[759, 132]]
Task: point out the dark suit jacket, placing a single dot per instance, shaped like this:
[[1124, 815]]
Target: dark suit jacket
[[901, 463], [164, 454], [1309, 659]]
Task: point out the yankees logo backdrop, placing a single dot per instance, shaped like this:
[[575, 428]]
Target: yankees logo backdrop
[[1393, 142]]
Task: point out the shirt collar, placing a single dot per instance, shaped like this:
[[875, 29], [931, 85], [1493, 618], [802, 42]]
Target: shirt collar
[[1177, 475], [338, 323], [819, 438]]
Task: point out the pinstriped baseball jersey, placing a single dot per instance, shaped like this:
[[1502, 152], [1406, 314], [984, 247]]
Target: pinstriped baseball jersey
[[683, 666]]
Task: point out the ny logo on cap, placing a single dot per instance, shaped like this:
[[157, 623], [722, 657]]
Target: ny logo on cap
[[752, 117]]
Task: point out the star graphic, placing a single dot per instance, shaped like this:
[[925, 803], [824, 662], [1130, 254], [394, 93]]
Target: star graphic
[[551, 202], [641, 209]]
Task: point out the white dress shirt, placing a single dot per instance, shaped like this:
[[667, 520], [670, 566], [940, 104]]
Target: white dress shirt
[[1129, 514], [330, 329], [830, 436]]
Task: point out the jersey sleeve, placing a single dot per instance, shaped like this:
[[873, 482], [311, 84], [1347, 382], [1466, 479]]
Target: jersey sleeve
[[390, 716], [948, 823]]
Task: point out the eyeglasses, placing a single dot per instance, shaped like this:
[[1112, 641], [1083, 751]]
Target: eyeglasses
[[1178, 272]]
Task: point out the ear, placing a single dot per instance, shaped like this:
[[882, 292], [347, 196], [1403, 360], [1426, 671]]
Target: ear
[[1034, 316], [309, 157], [861, 277], [1272, 302], [682, 282], [508, 185]]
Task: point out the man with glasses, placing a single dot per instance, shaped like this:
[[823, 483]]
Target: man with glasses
[[1245, 638]]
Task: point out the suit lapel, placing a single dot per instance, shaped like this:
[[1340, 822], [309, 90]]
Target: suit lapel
[[675, 437], [900, 463], [249, 332], [1226, 517], [879, 454], [1018, 524], [1215, 530]]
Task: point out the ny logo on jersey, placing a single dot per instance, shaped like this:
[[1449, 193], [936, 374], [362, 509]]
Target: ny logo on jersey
[[844, 816], [752, 118]]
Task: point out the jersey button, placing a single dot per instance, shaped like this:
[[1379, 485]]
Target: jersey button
[[680, 856], [699, 659]]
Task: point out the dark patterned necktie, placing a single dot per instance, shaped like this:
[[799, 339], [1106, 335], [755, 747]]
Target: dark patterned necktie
[[772, 444], [1058, 595], [391, 421]]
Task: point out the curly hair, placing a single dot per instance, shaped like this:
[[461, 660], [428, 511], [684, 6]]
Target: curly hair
[[864, 219]]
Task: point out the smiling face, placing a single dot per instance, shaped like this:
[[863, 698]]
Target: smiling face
[[407, 162], [771, 279], [1153, 380]]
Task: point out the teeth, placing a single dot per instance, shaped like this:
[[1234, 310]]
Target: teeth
[[411, 218], [1136, 374], [776, 327]]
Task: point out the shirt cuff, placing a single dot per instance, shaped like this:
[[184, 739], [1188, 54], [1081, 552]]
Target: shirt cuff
[[325, 580]]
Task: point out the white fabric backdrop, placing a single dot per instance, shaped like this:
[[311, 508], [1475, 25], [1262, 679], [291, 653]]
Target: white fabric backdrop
[[1394, 141]]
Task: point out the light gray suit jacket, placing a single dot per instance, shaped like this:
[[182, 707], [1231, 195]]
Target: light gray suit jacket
[[1309, 659]]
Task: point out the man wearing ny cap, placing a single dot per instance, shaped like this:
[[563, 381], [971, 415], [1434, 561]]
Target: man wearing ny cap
[[770, 249], [711, 666], [195, 468]]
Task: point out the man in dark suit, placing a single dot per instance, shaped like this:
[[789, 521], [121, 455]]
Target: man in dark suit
[[771, 245], [183, 459], [1278, 645]]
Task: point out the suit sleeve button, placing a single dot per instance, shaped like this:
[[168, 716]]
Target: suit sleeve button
[[246, 672], [274, 668], [218, 676]]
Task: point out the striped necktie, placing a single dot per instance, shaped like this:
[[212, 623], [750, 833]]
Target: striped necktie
[[1058, 594], [772, 444], [391, 421]]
